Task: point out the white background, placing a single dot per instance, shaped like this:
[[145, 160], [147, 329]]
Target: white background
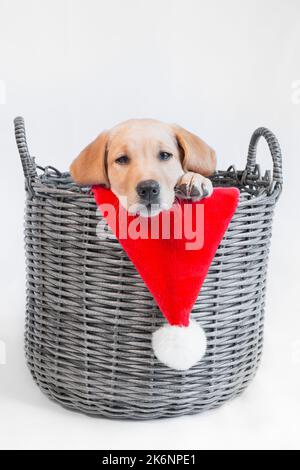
[[220, 69]]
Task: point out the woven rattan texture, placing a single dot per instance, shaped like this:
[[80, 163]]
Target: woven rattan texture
[[89, 316]]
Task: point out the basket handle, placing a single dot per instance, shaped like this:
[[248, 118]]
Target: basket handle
[[28, 163], [275, 150]]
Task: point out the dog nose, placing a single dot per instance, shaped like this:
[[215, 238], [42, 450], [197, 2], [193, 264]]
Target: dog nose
[[148, 190]]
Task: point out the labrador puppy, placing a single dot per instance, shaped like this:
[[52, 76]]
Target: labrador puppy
[[147, 164]]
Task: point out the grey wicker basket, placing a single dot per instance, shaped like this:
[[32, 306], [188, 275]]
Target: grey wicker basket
[[89, 316]]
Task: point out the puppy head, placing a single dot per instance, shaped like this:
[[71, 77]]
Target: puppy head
[[141, 161]]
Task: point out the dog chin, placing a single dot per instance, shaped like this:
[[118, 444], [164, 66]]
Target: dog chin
[[150, 210]]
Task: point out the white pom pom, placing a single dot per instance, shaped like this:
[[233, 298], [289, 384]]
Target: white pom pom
[[179, 347]]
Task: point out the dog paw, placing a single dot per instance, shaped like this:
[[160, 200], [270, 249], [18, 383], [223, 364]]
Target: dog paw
[[193, 186]]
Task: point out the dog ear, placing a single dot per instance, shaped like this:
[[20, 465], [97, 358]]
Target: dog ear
[[197, 155], [90, 166]]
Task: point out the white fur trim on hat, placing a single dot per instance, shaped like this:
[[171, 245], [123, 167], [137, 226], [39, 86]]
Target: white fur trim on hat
[[179, 347]]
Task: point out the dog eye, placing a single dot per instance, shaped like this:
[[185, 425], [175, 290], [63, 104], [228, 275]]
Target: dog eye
[[123, 160], [163, 156]]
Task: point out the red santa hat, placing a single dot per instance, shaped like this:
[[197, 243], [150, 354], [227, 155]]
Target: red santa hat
[[172, 252]]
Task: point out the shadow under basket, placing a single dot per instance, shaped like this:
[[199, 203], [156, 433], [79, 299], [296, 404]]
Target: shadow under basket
[[90, 317]]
